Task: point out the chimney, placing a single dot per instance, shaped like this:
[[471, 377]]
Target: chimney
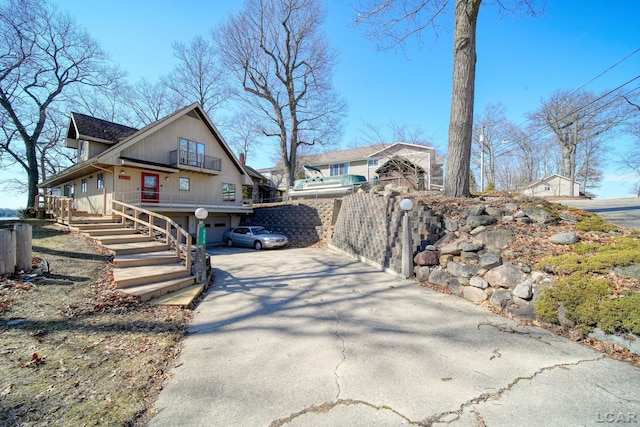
[[242, 159]]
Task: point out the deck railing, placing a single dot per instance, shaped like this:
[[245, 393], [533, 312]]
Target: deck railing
[[157, 226]]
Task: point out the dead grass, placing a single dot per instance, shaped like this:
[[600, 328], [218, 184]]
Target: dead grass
[[74, 351]]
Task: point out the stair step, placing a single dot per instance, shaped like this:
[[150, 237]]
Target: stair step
[[124, 238], [98, 226], [182, 297], [133, 276], [108, 232], [145, 258], [136, 248], [156, 289]]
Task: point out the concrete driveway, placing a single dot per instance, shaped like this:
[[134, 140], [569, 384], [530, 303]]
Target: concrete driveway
[[310, 337], [623, 212]]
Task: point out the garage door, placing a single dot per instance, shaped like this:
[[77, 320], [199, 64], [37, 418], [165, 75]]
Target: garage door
[[216, 226]]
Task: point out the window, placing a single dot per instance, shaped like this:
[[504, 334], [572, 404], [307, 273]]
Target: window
[[373, 163], [184, 184], [84, 187], [191, 153], [229, 192], [547, 188], [100, 182], [339, 169]]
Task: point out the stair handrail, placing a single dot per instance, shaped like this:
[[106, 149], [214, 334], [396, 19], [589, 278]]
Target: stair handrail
[[61, 207], [119, 208]]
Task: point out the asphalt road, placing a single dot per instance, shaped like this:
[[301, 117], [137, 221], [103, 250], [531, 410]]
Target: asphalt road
[[621, 212], [311, 337]]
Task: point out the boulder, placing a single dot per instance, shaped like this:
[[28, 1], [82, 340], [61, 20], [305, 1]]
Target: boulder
[[422, 274], [511, 207], [473, 247], [454, 286], [478, 282], [474, 221], [427, 258], [450, 224], [453, 248], [496, 239], [568, 238], [500, 298], [462, 270], [476, 210], [538, 215], [506, 275], [490, 260], [631, 271], [473, 294], [497, 212], [439, 278], [523, 290]]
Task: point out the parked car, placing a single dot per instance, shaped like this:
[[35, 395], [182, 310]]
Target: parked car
[[254, 237]]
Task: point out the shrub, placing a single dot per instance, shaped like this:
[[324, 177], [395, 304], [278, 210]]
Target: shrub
[[592, 222]]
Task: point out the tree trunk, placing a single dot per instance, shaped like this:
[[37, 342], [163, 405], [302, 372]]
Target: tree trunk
[[462, 97]]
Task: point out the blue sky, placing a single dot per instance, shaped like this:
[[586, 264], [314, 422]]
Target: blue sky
[[521, 60]]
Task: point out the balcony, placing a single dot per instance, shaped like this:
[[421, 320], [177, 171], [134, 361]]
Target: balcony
[[184, 201], [195, 162]]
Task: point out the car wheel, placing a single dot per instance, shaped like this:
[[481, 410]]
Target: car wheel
[[229, 242], [257, 245]]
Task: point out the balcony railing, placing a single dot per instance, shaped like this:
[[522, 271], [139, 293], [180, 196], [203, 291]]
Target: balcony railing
[[186, 158], [181, 200]]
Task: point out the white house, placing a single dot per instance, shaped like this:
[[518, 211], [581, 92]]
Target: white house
[[550, 186]]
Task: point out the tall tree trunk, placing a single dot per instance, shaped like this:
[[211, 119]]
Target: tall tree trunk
[[462, 97]]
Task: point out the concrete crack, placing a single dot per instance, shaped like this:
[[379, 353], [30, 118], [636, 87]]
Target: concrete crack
[[328, 406], [510, 330], [497, 394]]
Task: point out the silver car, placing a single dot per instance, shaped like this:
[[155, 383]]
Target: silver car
[[254, 237]]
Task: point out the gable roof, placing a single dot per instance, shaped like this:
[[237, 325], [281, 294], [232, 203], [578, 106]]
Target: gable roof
[[547, 179], [82, 126], [88, 166]]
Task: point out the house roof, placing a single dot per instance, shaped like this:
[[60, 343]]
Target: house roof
[[546, 179], [82, 126], [342, 156], [89, 166]]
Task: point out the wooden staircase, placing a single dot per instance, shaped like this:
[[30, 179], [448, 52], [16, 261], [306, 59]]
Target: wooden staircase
[[149, 262]]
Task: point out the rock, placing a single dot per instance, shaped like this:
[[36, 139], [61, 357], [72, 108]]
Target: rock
[[446, 239], [453, 248], [526, 310], [524, 220], [439, 278], [427, 258], [454, 286], [422, 274], [474, 221], [473, 247], [490, 260], [629, 341], [476, 210], [500, 298], [564, 238], [493, 211], [506, 275], [477, 230], [631, 271], [519, 214], [496, 239], [568, 218], [538, 215], [469, 256], [523, 290], [562, 318], [450, 224], [462, 270], [478, 282], [507, 218], [445, 260], [473, 294], [511, 207]]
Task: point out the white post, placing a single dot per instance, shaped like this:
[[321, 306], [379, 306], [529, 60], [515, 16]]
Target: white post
[[24, 253], [407, 246], [7, 251]]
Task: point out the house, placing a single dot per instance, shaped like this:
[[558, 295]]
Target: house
[[550, 186], [263, 190], [400, 163], [172, 167]]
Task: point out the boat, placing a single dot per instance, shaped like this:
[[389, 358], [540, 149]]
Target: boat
[[317, 185]]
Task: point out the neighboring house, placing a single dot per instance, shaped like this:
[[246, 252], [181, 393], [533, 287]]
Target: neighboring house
[[263, 190], [400, 163], [550, 186], [171, 167]]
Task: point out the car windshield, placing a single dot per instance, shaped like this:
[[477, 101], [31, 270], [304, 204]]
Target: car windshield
[[261, 231]]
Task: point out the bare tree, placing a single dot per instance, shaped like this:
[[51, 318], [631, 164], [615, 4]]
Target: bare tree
[[630, 158], [394, 21], [43, 53], [198, 77], [489, 140], [282, 61], [244, 134], [150, 102], [579, 117]]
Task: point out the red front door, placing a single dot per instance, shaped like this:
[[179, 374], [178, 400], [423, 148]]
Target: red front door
[[150, 188]]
